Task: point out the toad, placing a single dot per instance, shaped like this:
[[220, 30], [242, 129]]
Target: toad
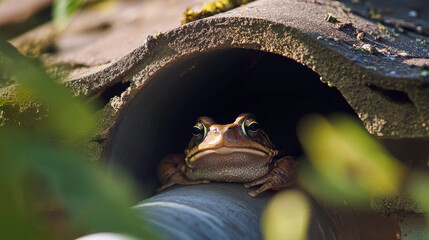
[[238, 152]]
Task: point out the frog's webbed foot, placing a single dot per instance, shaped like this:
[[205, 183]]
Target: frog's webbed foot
[[281, 176], [170, 172]]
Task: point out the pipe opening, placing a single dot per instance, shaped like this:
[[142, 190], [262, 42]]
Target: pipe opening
[[220, 84]]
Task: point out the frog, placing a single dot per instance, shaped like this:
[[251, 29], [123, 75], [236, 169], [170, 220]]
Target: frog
[[238, 152]]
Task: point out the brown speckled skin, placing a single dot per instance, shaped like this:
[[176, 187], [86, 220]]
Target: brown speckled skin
[[227, 154]]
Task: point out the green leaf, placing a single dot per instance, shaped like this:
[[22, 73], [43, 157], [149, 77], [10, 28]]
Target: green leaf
[[18, 220], [286, 216], [2, 102], [347, 158], [63, 10], [418, 188], [67, 116], [328, 192], [94, 199]]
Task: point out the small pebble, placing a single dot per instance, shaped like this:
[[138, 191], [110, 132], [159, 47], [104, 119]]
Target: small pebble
[[403, 54], [369, 48], [366, 46], [419, 28], [412, 14], [360, 36]]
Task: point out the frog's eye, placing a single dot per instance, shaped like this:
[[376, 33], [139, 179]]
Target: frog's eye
[[250, 128], [199, 131]]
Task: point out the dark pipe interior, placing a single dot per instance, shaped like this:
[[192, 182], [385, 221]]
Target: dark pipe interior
[[220, 84]]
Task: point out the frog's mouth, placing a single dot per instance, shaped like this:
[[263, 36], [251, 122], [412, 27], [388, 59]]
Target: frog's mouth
[[225, 151]]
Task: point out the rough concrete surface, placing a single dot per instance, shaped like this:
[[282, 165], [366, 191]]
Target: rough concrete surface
[[15, 11], [101, 35], [382, 75], [388, 94]]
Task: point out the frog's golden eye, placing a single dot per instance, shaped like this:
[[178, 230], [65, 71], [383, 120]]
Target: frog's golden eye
[[199, 131], [250, 128]]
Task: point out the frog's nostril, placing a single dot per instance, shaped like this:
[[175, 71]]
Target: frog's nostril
[[230, 129]]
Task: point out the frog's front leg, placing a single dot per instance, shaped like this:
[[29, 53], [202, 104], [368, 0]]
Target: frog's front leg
[[281, 176], [170, 172]]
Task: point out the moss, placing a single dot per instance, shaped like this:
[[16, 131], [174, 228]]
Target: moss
[[19, 108], [91, 146], [389, 204], [375, 14], [330, 18], [424, 42], [357, 48], [384, 29], [211, 8]]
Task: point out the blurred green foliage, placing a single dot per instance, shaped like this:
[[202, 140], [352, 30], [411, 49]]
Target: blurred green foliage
[[39, 177], [286, 217], [420, 191], [63, 9], [346, 160], [344, 164], [418, 188]]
